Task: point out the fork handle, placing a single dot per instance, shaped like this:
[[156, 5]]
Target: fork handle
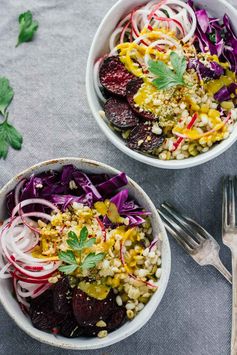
[[234, 304], [222, 269]]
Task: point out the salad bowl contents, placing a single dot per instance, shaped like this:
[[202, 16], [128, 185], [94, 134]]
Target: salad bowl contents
[[79, 251], [167, 85]]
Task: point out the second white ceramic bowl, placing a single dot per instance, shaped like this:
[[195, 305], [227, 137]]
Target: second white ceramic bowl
[[100, 47], [12, 307]]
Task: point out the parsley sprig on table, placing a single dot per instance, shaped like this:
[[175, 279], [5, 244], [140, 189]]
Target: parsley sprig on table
[[166, 77], [28, 27], [9, 136], [70, 257]]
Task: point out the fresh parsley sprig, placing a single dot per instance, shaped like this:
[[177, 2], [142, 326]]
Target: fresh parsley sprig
[[78, 245], [28, 27], [167, 78], [9, 136]]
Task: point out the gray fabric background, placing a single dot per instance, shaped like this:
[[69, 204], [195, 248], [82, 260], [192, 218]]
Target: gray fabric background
[[51, 110]]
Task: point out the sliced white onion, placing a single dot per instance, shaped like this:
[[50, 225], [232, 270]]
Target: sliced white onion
[[34, 201], [3, 272], [191, 13], [97, 82], [115, 35]]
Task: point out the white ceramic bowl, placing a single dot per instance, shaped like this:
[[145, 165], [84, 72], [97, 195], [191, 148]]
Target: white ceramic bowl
[[100, 47], [11, 305]]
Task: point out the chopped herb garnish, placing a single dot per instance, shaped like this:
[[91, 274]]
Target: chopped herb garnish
[[212, 37], [168, 78], [28, 27]]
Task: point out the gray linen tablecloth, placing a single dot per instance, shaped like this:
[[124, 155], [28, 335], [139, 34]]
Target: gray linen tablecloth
[[50, 108]]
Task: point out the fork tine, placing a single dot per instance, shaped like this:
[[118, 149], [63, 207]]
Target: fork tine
[[171, 229], [229, 202], [180, 229], [225, 204], [186, 223], [201, 232], [232, 201]]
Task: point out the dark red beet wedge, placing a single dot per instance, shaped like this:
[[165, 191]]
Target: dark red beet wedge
[[141, 138], [42, 313], [88, 310], [119, 113], [70, 328], [113, 322], [132, 88], [114, 76], [116, 319], [62, 296]]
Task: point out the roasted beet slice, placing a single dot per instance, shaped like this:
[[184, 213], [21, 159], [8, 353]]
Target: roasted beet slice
[[62, 296], [113, 321], [132, 88], [88, 310], [120, 113], [141, 138], [116, 319], [70, 328], [42, 313], [91, 330], [114, 76]]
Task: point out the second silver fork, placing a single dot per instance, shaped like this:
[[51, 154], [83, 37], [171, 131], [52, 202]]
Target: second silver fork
[[229, 236], [194, 239]]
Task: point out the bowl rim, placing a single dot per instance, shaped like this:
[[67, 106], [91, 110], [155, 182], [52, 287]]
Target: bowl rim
[[66, 343], [214, 152]]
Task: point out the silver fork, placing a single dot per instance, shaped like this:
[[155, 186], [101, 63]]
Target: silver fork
[[229, 236], [194, 239]]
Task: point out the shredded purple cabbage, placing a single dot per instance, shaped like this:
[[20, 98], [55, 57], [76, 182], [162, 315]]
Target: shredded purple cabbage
[[226, 92], [222, 95], [83, 181], [128, 209], [71, 185], [212, 71], [109, 186], [220, 40], [119, 199], [233, 89]]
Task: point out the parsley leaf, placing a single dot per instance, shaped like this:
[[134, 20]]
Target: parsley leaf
[[168, 78], [179, 64], [68, 257], [73, 241], [28, 27], [9, 136], [83, 235], [82, 243], [68, 269], [90, 242], [91, 260], [6, 95]]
